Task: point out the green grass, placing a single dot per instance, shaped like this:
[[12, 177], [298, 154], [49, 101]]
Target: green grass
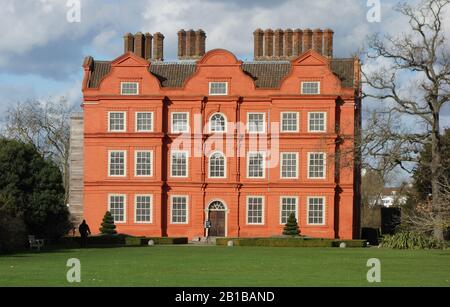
[[225, 266]]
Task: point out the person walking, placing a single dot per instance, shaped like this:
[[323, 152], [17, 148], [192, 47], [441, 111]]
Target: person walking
[[84, 233]]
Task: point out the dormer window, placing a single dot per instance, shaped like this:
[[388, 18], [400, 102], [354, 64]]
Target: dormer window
[[218, 88], [129, 88], [310, 88]]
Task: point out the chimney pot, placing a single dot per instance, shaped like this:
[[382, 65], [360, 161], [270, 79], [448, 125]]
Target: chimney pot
[[128, 40], [158, 48], [328, 43], [288, 36], [298, 42], [200, 43], [181, 44], [148, 46], [139, 44], [279, 35], [307, 39], [318, 41], [258, 44], [190, 43], [268, 43]]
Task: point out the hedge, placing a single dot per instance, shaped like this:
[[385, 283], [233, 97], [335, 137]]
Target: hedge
[[165, 240], [290, 242], [118, 240]]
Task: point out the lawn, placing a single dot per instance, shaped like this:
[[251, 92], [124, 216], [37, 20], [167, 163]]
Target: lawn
[[226, 266]]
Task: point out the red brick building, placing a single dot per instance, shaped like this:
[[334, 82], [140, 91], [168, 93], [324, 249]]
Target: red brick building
[[170, 145]]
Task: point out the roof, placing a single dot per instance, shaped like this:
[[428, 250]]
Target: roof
[[266, 74]]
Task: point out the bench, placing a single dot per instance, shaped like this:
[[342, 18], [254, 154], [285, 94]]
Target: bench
[[35, 243]]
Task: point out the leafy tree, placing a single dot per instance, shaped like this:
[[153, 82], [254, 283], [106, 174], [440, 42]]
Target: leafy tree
[[31, 189], [291, 227], [108, 227]]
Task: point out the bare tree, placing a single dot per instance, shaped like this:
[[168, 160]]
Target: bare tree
[[46, 125], [423, 54]]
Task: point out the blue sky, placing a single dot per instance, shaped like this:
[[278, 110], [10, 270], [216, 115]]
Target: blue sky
[[41, 52]]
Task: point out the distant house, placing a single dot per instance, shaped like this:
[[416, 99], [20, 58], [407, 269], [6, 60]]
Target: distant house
[[392, 197]]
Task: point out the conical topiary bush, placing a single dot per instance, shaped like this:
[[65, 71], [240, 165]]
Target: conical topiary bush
[[291, 227], [108, 227]]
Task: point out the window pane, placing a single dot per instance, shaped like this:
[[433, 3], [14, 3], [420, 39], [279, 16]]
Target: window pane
[[117, 163], [218, 88], [289, 165], [317, 122], [217, 166], [316, 165], [289, 122], [143, 208], [179, 164], [129, 88], [288, 206], [144, 121], [180, 122], [143, 163], [117, 121], [255, 165], [117, 207], [316, 210], [255, 210], [310, 88], [218, 123], [256, 122], [179, 209]]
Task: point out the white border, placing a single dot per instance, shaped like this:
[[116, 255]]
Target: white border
[[325, 124], [124, 207], [263, 210], [323, 209], [264, 125], [296, 165], [324, 166], [319, 87], [124, 121], [226, 88], [124, 162], [172, 125], [135, 208], [264, 164], [226, 123], [187, 163], [136, 122], [209, 165], [187, 210], [151, 164], [298, 122], [121, 88], [281, 208]]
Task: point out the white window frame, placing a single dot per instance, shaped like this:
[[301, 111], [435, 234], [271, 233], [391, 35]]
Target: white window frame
[[171, 210], [318, 87], [264, 123], [187, 163], [324, 165], [136, 128], [225, 165], [172, 126], [129, 82], [281, 208], [151, 208], [124, 207], [124, 121], [151, 163], [124, 163], [209, 123], [296, 166], [263, 208], [323, 209], [298, 122], [264, 164], [218, 94], [325, 123]]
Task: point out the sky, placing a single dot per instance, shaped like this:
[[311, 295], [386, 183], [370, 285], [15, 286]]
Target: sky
[[41, 52]]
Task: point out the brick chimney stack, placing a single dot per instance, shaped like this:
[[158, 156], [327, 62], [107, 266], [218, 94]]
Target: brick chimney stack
[[200, 43], [268, 43], [297, 42], [148, 46], [190, 43], [288, 40], [258, 44], [328, 43], [318, 40], [307, 39], [128, 43], [181, 44], [279, 48], [158, 48], [139, 44]]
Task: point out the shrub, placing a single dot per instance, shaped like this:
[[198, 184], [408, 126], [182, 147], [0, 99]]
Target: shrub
[[165, 240], [411, 240], [289, 242], [291, 227], [108, 227], [12, 233]]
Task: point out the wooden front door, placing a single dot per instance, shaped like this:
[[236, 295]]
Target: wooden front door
[[217, 219]]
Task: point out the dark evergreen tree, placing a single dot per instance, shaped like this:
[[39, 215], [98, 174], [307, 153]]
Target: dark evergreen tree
[[108, 227], [291, 227]]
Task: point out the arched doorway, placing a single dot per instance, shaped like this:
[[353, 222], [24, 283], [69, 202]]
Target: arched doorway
[[217, 217]]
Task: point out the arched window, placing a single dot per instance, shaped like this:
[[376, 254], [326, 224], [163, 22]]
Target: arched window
[[217, 206], [217, 165], [217, 123]]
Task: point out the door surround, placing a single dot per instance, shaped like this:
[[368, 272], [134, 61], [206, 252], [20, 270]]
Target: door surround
[[225, 209]]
